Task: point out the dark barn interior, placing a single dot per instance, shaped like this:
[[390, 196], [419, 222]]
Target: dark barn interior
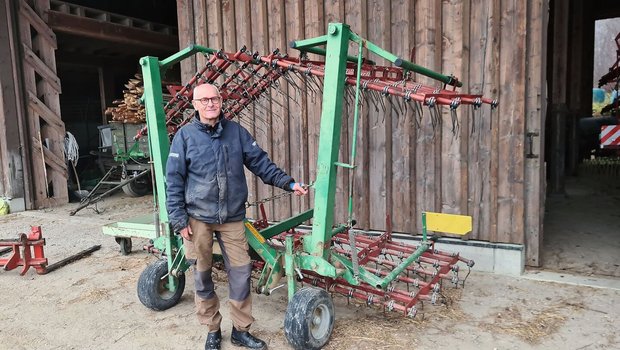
[[581, 227], [99, 47]]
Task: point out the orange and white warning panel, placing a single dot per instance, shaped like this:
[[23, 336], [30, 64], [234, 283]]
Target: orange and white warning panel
[[610, 136]]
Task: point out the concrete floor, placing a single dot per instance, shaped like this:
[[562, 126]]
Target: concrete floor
[[582, 228]]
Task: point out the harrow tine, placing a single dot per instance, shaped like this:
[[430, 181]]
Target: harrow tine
[[455, 122], [473, 120]]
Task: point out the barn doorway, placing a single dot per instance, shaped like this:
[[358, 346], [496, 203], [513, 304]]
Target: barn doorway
[[582, 220]]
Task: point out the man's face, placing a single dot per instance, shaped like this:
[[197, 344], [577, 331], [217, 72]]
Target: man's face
[[208, 103]]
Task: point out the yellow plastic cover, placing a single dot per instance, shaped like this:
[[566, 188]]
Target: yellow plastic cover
[[448, 223]]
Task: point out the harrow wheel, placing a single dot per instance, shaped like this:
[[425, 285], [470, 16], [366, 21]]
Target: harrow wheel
[[125, 244], [309, 319], [152, 290], [137, 188]]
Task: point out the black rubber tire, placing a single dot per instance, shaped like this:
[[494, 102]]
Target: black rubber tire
[[152, 290], [138, 188], [309, 319], [125, 245]]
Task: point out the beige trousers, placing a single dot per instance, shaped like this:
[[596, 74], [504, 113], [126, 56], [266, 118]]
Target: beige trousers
[[234, 246]]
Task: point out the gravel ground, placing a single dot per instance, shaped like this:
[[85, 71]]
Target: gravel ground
[[92, 303]]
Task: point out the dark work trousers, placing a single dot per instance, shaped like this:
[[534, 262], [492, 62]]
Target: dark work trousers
[[234, 246]]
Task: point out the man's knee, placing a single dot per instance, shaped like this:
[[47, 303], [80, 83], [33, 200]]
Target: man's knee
[[239, 282], [203, 283]]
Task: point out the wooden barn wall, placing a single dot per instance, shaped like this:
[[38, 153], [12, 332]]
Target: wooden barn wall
[[494, 46], [31, 130], [11, 166]]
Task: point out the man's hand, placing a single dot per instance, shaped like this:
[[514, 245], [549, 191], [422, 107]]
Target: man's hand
[[186, 233], [299, 189]]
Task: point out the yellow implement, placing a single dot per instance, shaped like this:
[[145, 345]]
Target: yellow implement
[[447, 223]]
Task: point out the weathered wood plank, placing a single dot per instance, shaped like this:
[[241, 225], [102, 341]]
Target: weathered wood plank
[[51, 118], [494, 89], [14, 42], [42, 69], [427, 25], [356, 15], [50, 96], [403, 127], [29, 15], [205, 23], [214, 23], [56, 163], [187, 36], [380, 125], [229, 26], [11, 163], [314, 26], [243, 30], [480, 141], [280, 136], [295, 24], [534, 170], [465, 121], [262, 109], [452, 136], [511, 125]]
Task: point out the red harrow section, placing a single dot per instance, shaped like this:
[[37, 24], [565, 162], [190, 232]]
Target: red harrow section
[[380, 255], [245, 78]]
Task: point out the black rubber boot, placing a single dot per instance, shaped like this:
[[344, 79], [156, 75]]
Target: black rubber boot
[[247, 340], [214, 340]]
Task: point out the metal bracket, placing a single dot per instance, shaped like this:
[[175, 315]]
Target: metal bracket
[[530, 144]]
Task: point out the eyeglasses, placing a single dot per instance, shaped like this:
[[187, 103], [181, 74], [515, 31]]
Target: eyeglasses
[[205, 100]]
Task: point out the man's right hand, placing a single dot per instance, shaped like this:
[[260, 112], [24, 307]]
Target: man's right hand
[[186, 233]]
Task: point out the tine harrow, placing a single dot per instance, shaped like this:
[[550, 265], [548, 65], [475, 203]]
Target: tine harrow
[[337, 258], [244, 78]]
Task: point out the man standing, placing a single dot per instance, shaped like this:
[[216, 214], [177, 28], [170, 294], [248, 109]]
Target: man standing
[[206, 195]]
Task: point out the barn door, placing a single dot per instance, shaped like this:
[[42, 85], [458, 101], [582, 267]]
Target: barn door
[[44, 128]]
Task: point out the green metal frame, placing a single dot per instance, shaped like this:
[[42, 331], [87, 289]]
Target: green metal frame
[[316, 254]]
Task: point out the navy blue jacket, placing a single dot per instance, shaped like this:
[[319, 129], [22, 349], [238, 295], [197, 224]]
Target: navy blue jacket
[[205, 178]]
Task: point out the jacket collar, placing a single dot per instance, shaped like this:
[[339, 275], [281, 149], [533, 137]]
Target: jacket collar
[[213, 131]]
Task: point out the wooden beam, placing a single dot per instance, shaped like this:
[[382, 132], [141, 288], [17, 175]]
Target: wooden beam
[[535, 123], [510, 209], [403, 131], [42, 69], [91, 28], [50, 158], [11, 162], [379, 32], [12, 22], [39, 25], [187, 36], [51, 118]]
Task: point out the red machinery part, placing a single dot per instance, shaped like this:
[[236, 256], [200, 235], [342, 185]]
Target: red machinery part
[[27, 251]]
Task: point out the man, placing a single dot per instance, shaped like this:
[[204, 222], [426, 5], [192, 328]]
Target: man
[[206, 195]]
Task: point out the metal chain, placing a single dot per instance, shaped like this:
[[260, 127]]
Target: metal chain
[[280, 195]]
